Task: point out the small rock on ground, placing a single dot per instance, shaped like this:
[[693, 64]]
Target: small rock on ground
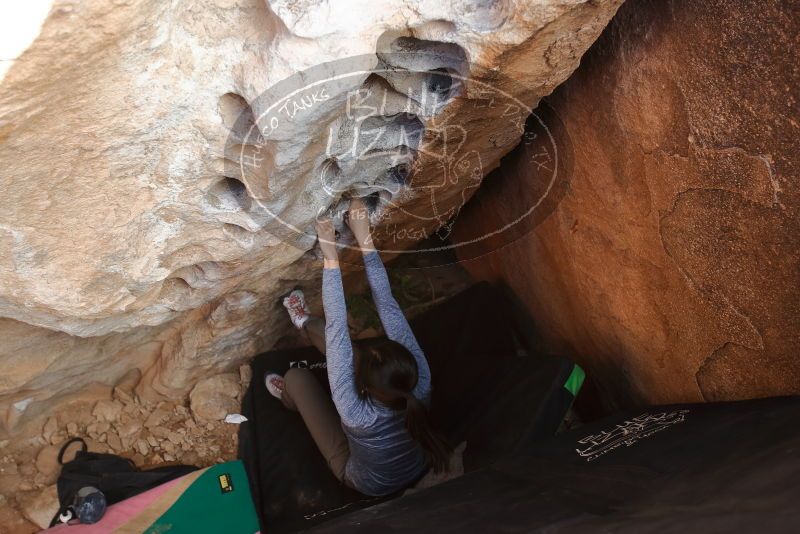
[[47, 463], [214, 398], [39, 507]]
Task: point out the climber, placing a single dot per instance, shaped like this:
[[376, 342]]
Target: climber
[[381, 440]]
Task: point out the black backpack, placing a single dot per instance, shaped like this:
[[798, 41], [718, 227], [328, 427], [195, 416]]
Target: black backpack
[[116, 477]]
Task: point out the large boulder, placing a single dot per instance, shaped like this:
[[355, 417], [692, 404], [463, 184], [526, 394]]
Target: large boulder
[[133, 235], [215, 397], [668, 261]]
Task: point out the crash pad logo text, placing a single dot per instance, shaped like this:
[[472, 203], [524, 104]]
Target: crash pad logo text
[[628, 433]]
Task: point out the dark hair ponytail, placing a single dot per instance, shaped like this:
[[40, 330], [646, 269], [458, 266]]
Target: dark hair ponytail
[[419, 426], [388, 373]]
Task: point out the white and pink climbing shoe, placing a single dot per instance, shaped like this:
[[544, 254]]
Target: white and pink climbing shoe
[[275, 385], [295, 304]]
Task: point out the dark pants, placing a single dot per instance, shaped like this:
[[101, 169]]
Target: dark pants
[[304, 394]]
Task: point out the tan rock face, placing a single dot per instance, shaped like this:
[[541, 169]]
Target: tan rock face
[[127, 240], [670, 265]]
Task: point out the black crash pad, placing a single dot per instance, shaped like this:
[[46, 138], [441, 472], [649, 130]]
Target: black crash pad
[[490, 389], [727, 467]]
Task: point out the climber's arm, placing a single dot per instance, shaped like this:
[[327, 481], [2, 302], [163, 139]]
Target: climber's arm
[[338, 347], [394, 321]]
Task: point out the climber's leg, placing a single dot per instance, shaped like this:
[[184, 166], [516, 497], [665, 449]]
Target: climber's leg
[[304, 394], [295, 304], [275, 385], [314, 327]]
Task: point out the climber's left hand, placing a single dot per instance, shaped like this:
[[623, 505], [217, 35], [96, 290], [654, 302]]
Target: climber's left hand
[[326, 234], [358, 221]]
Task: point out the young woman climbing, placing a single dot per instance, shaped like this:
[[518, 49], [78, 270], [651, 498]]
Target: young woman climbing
[[375, 434]]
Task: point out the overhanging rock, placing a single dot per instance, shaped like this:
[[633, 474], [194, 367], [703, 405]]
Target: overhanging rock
[[135, 234]]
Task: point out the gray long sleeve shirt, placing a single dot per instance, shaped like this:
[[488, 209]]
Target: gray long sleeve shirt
[[383, 456]]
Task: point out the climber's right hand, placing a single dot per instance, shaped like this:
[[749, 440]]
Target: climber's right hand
[[326, 235]]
